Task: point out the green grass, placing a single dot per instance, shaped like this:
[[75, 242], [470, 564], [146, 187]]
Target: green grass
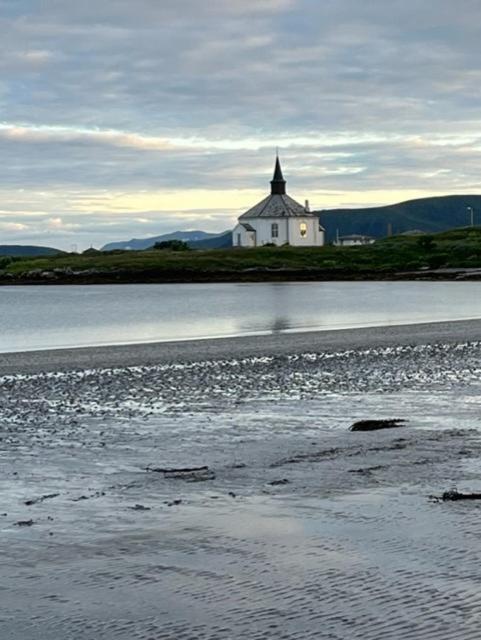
[[456, 248]]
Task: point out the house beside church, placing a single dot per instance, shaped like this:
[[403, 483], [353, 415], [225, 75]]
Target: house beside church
[[278, 219], [353, 240]]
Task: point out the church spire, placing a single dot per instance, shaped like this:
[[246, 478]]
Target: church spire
[[278, 184]]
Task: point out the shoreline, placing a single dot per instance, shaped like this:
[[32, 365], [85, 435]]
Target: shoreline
[[185, 351], [254, 275]]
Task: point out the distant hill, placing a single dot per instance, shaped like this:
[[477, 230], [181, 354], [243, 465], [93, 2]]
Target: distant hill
[[221, 241], [424, 214], [15, 250], [146, 243]]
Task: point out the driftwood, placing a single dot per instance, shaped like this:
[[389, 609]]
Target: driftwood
[[47, 496], [97, 494], [367, 471], [375, 425], [24, 523], [189, 474], [176, 470]]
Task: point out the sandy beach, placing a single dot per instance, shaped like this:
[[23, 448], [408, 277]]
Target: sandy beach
[[290, 525], [281, 343]]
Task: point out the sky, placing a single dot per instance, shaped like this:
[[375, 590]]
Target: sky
[[133, 118]]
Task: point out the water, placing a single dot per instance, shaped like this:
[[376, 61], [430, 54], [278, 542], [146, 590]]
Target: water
[[74, 316]]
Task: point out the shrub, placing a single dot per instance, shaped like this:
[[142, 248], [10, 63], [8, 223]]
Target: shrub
[[438, 260], [171, 245], [427, 243]]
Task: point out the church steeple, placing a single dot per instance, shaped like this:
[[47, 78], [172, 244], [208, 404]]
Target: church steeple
[[278, 184]]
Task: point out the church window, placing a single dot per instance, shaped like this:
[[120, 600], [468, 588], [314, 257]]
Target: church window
[[303, 229], [239, 240], [275, 230]]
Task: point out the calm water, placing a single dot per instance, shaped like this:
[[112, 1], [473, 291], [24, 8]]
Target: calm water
[[68, 316]]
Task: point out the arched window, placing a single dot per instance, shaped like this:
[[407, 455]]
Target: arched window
[[275, 230], [303, 229]]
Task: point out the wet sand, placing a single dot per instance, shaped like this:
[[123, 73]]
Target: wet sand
[[239, 347], [300, 530]]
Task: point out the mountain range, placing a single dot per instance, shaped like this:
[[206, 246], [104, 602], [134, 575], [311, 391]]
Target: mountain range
[[195, 239]]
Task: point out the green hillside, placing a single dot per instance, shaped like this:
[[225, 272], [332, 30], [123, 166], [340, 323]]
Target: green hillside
[[27, 250], [387, 258], [425, 214]]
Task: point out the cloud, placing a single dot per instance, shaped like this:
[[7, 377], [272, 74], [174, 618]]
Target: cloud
[[114, 108]]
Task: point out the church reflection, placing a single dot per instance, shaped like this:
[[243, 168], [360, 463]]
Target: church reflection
[[282, 316], [276, 324], [277, 298], [280, 324]]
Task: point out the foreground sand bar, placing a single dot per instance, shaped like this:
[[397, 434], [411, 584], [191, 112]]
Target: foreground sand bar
[[241, 347], [301, 530]]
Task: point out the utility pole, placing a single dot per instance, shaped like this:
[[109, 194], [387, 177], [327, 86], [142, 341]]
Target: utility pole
[[471, 212]]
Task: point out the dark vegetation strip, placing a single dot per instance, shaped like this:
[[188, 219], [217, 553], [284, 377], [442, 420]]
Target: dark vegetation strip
[[401, 257]]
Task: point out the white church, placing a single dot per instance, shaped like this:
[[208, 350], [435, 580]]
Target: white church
[[278, 219]]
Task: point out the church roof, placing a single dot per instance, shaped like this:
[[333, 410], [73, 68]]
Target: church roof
[[278, 204], [247, 226]]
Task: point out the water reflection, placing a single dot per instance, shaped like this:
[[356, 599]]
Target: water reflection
[[50, 317], [275, 325]]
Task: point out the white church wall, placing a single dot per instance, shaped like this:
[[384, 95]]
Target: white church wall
[[288, 232], [238, 236], [243, 238], [313, 237], [263, 227]]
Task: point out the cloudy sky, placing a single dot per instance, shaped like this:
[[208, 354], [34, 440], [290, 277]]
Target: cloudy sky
[[130, 118]]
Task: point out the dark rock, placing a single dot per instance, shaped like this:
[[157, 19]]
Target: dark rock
[[24, 523], [375, 425], [454, 494], [173, 503], [139, 507], [274, 483]]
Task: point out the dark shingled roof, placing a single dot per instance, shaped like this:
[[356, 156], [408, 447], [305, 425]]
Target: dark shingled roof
[[278, 204], [247, 226]]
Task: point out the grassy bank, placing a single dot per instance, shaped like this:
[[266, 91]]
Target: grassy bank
[[387, 258]]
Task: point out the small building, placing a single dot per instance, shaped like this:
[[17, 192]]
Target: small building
[[278, 219], [353, 240]]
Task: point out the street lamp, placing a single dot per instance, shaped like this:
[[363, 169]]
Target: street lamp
[[471, 213]]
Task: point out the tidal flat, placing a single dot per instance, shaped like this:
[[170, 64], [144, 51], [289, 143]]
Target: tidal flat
[[298, 528]]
